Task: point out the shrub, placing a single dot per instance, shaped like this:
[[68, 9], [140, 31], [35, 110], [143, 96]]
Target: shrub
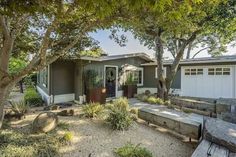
[[134, 111], [93, 110], [32, 98], [159, 101], [67, 137], [130, 150], [119, 116], [147, 92], [19, 107], [121, 104], [152, 100], [142, 97], [167, 103]]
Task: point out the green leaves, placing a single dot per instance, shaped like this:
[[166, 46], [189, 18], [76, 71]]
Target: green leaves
[[16, 65]]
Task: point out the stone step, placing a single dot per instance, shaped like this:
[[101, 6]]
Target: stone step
[[209, 149], [174, 120]]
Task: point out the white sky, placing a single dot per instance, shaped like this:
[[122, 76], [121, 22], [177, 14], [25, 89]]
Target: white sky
[[133, 45]]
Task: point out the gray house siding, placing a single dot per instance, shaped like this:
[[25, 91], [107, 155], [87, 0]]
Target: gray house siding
[[99, 66], [149, 77], [150, 80], [62, 76]]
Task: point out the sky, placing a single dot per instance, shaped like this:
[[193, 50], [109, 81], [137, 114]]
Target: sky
[[134, 46]]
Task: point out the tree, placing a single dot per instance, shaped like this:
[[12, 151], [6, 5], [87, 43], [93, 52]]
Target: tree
[[50, 29], [180, 23]]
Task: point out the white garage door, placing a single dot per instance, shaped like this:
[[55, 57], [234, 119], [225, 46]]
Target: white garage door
[[208, 81]]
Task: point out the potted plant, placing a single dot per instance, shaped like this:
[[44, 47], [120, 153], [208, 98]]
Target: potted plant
[[95, 92], [130, 86]]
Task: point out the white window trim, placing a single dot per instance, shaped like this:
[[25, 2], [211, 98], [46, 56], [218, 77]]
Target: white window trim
[[222, 71], [139, 69], [164, 68], [48, 78]]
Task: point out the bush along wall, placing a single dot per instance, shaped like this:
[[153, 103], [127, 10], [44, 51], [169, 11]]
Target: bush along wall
[[32, 98]]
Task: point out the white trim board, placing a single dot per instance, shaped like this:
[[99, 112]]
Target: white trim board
[[142, 90], [104, 81], [154, 90], [64, 98], [44, 95]]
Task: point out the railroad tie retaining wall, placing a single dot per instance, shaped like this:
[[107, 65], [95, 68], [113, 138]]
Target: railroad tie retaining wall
[[177, 122]]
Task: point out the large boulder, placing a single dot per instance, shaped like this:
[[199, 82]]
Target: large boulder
[[45, 122]]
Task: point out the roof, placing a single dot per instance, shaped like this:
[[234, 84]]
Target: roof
[[218, 59], [114, 57]]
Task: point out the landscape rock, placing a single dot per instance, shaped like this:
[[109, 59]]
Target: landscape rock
[[51, 107], [222, 107], [44, 122], [68, 112], [228, 117]]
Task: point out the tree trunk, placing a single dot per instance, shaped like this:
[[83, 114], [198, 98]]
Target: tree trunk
[[161, 82], [189, 50], [21, 86], [4, 93]]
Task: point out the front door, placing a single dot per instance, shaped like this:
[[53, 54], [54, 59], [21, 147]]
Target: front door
[[110, 81]]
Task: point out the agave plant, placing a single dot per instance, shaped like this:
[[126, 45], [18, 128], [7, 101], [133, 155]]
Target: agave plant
[[19, 107]]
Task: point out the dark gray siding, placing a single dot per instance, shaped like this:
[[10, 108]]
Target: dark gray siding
[[149, 77], [62, 77], [151, 82], [99, 66], [177, 80]]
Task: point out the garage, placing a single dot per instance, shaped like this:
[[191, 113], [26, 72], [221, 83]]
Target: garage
[[208, 81]]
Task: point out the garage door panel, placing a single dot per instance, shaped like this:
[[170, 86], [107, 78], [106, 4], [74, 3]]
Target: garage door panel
[[210, 86]]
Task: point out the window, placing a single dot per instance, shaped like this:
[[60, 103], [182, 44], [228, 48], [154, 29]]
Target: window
[[193, 71], [218, 71], [43, 76], [164, 71], [137, 75], [226, 71], [211, 71], [187, 71], [199, 71]]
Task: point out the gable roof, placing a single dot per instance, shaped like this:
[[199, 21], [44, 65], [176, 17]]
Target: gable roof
[[218, 59], [114, 57]]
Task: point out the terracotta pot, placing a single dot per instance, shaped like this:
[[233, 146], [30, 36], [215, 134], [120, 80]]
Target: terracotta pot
[[96, 95], [129, 91]]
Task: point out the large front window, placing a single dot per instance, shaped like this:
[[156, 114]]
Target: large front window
[[43, 77], [137, 75]]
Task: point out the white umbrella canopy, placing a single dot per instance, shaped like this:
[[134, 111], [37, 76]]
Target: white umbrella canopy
[[128, 67], [125, 69]]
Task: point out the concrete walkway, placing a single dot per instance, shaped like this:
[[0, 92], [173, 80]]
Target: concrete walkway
[[161, 108]]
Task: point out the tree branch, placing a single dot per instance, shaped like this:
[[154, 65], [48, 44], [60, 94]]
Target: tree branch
[[3, 24], [200, 51]]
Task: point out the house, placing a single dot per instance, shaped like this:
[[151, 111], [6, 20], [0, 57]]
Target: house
[[64, 79], [208, 77]]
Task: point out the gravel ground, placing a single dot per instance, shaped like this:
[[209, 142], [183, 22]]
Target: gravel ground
[[94, 138]]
